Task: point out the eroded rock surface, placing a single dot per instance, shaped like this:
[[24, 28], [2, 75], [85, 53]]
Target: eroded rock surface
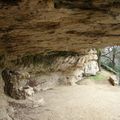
[[34, 26], [29, 28], [16, 83], [62, 68]]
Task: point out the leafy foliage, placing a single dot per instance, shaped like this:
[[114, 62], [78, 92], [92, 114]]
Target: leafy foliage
[[111, 58]]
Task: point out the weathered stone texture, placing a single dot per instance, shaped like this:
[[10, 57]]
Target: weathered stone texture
[[20, 83], [31, 27]]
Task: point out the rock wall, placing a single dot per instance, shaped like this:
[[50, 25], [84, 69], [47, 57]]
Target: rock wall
[[62, 68], [36, 26], [30, 29]]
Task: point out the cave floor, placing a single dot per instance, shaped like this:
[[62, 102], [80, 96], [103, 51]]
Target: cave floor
[[79, 102]]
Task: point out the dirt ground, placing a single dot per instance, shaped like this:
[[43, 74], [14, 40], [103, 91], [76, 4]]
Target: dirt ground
[[85, 102], [89, 101]]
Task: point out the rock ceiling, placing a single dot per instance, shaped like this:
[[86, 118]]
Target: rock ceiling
[[35, 26]]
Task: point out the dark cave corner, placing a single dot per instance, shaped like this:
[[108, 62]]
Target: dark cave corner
[[70, 4], [86, 4], [10, 2]]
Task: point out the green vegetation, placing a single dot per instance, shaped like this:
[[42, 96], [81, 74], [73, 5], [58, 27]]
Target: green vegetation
[[110, 69], [97, 77], [109, 59]]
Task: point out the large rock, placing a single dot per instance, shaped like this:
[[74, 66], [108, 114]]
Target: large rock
[[91, 68], [75, 68], [16, 83]]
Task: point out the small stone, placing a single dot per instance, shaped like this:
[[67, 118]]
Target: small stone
[[28, 91], [114, 80]]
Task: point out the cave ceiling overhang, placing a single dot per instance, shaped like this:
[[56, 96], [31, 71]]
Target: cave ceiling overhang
[[29, 28]]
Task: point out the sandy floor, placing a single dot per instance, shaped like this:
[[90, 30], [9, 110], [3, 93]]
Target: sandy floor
[[85, 102]]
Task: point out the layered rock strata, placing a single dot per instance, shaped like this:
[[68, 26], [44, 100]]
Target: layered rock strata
[[37, 73], [37, 26]]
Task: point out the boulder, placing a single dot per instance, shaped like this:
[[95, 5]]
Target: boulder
[[114, 80], [15, 83], [91, 68]]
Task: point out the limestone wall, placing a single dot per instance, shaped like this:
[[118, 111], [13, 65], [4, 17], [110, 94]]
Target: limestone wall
[[63, 68], [33, 27]]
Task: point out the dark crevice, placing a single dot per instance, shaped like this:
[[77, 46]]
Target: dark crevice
[[85, 5], [72, 4], [41, 58], [10, 2], [89, 33]]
